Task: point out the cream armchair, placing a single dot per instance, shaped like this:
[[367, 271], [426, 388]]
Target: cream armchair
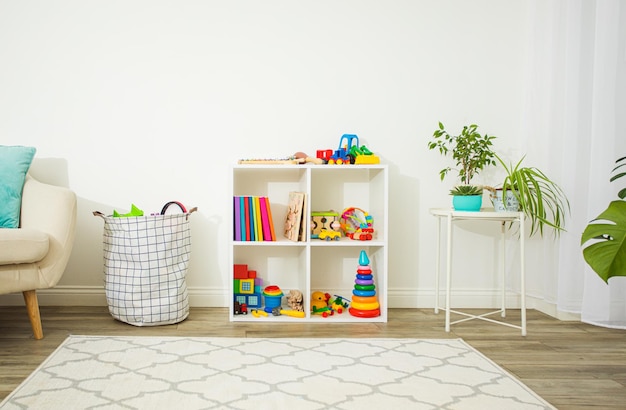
[[34, 256]]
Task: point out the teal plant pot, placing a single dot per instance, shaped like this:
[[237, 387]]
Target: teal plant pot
[[467, 203]]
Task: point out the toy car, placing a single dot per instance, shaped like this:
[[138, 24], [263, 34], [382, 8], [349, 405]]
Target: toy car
[[240, 308], [328, 235], [342, 154], [324, 311], [338, 304]]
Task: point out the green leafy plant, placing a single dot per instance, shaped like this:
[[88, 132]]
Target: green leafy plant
[[604, 238], [472, 151], [466, 190], [542, 200]]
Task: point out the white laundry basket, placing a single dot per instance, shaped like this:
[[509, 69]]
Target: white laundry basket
[[145, 265]]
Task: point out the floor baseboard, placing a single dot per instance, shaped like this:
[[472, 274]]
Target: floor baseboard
[[213, 297]]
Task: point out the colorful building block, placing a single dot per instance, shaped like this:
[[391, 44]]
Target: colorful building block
[[240, 271], [246, 286]]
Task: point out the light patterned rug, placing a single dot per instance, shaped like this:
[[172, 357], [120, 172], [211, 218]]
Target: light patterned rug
[[88, 372]]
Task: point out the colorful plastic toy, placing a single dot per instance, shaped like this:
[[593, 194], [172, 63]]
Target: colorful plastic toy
[[319, 304], [328, 220], [325, 311], [273, 297], [342, 154], [240, 308], [329, 235], [134, 211], [324, 155], [339, 303], [352, 153], [362, 155], [277, 311], [364, 302], [357, 224], [247, 286]]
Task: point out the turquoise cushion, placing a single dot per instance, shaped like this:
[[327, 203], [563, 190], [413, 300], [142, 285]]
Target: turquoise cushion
[[14, 164]]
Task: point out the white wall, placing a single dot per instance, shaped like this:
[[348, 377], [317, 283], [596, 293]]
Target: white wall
[[149, 101]]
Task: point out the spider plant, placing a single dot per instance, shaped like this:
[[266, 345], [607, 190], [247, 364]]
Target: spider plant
[[542, 200]]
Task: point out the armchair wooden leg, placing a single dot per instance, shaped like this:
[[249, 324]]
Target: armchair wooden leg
[[32, 307]]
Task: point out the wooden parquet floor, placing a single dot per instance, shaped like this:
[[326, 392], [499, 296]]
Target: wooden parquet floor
[[570, 364]]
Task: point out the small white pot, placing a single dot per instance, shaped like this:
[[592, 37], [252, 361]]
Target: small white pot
[[509, 204]]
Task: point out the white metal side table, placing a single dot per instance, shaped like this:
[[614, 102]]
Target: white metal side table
[[452, 216]]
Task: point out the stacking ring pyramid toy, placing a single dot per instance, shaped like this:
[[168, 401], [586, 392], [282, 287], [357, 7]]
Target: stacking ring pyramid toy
[[364, 302]]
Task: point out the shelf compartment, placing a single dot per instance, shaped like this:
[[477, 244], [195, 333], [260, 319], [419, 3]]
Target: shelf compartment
[[340, 187], [282, 266]]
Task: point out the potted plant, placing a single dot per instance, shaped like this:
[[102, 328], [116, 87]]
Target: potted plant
[[472, 152], [542, 200], [604, 238], [467, 197]]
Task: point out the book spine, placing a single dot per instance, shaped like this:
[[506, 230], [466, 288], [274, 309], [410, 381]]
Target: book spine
[[258, 223], [237, 218], [267, 233], [242, 217], [270, 219], [246, 205], [251, 218]]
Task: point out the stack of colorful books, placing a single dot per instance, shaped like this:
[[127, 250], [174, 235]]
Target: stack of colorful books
[[252, 219]]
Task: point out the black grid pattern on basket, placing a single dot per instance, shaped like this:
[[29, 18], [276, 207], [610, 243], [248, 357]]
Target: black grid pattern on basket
[[145, 263]]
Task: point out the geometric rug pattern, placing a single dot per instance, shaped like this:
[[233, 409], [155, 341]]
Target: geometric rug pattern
[[113, 372]]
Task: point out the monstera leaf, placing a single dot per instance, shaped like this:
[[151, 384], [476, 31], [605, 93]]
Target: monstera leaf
[[604, 241]]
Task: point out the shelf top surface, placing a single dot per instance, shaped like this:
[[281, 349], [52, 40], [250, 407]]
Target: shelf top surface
[[483, 214], [304, 166]]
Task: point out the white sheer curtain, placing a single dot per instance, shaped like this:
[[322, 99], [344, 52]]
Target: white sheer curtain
[[575, 123]]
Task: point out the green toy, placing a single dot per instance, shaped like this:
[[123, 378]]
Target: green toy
[[134, 211]]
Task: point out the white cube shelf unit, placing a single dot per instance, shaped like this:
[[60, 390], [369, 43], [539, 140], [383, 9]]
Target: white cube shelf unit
[[314, 264]]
